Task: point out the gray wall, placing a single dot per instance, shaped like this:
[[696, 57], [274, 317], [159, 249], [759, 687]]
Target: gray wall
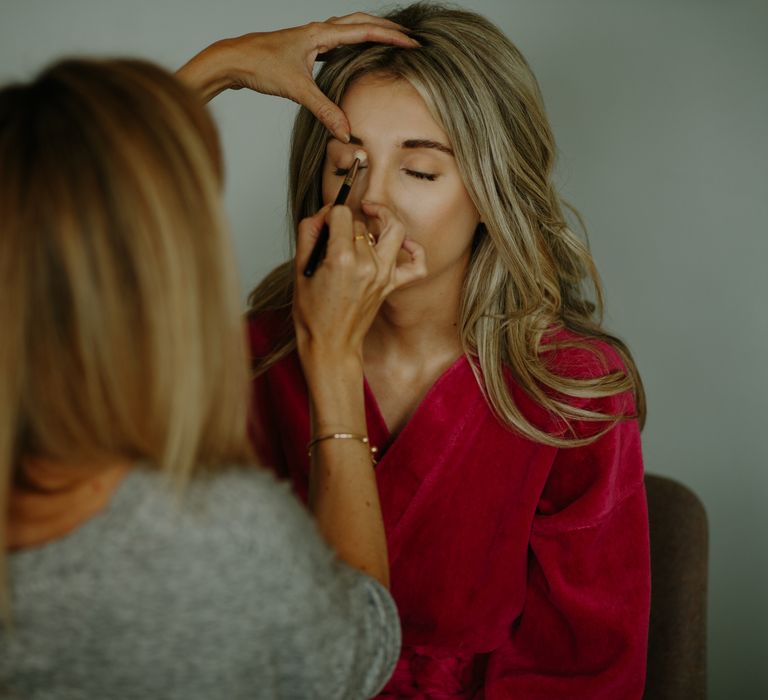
[[660, 109]]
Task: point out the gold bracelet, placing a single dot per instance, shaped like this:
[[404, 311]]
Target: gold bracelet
[[343, 436]]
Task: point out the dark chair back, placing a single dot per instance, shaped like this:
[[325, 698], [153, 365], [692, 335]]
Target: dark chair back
[[677, 643]]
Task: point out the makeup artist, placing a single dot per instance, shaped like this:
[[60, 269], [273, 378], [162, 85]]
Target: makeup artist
[[144, 556]]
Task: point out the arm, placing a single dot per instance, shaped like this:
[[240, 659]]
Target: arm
[[343, 494], [333, 311], [583, 630], [280, 63]]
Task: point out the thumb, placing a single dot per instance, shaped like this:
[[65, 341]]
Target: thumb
[[328, 113]]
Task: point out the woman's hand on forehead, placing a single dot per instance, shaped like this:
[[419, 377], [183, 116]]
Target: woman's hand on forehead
[[280, 63]]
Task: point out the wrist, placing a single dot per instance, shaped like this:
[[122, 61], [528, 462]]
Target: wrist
[[337, 405], [337, 402], [323, 361], [208, 72]]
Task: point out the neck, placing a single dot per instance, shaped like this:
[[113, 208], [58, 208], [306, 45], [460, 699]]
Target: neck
[[46, 475], [51, 497], [420, 320]]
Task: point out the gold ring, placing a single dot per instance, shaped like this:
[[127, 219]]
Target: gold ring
[[371, 238], [359, 237]]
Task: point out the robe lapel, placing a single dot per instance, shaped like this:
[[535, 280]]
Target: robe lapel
[[412, 462]]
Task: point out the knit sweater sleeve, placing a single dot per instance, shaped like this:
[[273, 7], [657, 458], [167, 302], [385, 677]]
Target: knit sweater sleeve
[[334, 631]]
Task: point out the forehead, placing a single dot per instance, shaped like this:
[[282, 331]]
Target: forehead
[[380, 105]]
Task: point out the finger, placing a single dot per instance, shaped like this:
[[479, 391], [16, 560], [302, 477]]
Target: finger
[[341, 233], [334, 35], [392, 240], [327, 113], [412, 270], [363, 245], [364, 17], [309, 230], [391, 232]]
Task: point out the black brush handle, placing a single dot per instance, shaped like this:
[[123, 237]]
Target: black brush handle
[[318, 252], [321, 244]]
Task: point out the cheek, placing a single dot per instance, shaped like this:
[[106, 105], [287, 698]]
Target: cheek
[[422, 216], [443, 217]]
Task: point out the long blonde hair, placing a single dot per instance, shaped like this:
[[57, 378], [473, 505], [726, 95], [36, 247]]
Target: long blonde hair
[[121, 325], [529, 271]]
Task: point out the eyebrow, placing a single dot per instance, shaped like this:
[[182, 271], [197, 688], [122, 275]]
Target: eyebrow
[[411, 143]]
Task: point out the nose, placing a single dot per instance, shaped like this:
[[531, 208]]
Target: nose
[[371, 186]]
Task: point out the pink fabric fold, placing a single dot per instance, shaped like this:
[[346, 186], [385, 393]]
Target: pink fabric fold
[[430, 674]]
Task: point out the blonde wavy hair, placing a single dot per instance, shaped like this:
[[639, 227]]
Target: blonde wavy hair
[[122, 331], [529, 273]]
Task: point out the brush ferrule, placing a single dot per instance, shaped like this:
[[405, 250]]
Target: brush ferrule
[[352, 174]]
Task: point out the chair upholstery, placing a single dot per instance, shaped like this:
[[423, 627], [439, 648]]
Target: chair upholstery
[[677, 641]]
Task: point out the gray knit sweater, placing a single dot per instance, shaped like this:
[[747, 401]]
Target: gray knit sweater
[[227, 594]]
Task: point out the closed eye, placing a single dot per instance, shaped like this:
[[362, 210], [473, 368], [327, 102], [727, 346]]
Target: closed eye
[[431, 177], [421, 176]]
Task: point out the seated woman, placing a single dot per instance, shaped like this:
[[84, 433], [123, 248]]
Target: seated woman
[[507, 419], [146, 557]]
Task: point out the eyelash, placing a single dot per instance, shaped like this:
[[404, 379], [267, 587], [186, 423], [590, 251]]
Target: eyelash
[[341, 172], [421, 176]]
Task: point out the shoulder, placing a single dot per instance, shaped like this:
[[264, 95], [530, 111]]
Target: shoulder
[[224, 529], [195, 567], [592, 372], [340, 623], [588, 481], [252, 505], [239, 509], [576, 356], [246, 492]]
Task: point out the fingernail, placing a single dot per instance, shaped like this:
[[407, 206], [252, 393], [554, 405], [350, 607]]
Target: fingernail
[[340, 133]]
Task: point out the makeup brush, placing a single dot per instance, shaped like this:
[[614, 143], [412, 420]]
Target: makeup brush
[[321, 244]]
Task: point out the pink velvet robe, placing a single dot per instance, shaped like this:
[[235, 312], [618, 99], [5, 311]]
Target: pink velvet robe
[[520, 570]]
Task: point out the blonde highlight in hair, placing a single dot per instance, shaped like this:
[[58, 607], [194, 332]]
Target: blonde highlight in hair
[[122, 331], [529, 272]]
